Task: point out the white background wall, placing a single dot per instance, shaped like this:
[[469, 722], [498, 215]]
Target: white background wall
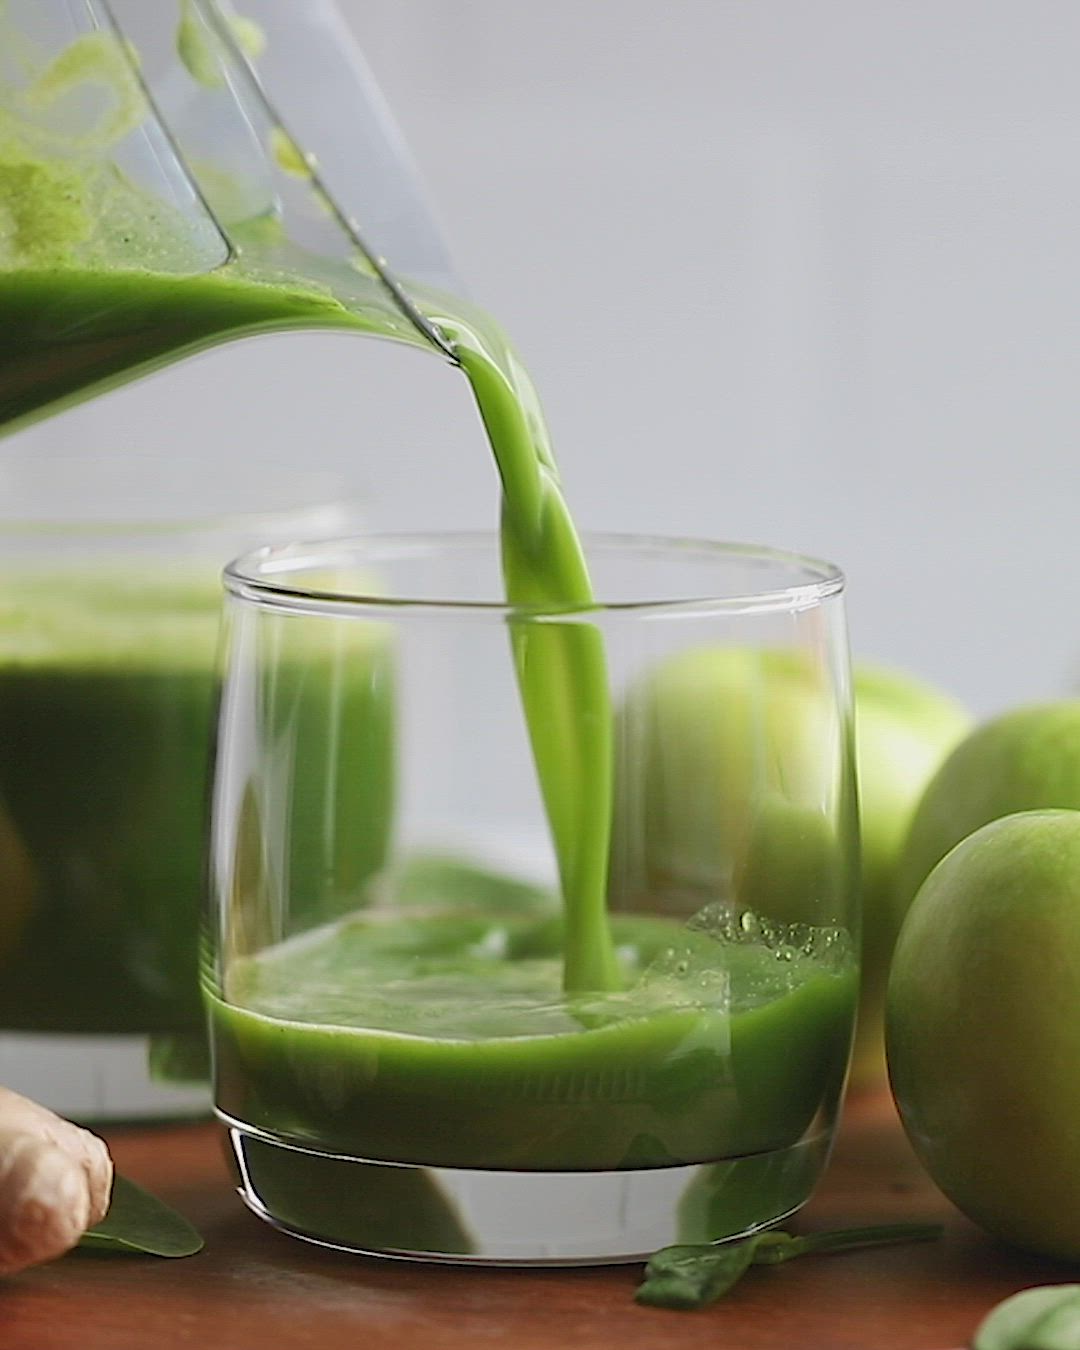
[[804, 274]]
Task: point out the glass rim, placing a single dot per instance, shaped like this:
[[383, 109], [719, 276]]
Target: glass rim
[[267, 576]]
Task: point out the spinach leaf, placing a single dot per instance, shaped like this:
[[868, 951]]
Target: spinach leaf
[[689, 1277], [1044, 1318], [138, 1222], [775, 1247], [438, 879]]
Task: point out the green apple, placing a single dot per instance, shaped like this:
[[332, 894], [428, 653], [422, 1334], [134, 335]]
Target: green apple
[[982, 1028], [1021, 761], [727, 781], [904, 730], [791, 865], [702, 742]]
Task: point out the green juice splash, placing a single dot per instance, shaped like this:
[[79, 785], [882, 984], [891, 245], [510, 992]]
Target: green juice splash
[[562, 671]]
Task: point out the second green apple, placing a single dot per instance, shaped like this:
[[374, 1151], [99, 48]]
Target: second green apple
[[723, 790]]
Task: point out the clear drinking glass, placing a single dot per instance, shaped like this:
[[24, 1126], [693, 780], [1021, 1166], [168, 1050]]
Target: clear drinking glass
[[395, 1059], [109, 624]]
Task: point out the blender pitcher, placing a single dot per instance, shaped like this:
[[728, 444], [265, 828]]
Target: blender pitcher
[[177, 142], [171, 176]]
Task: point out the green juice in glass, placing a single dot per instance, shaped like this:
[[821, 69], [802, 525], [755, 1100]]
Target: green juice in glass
[[430, 1050], [580, 1046]]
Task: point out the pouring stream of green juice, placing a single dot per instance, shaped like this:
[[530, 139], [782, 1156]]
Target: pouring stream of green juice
[[90, 298]]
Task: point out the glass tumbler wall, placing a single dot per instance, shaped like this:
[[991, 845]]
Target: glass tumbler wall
[[109, 624], [405, 1054]]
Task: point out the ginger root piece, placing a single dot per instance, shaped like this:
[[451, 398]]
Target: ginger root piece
[[55, 1183]]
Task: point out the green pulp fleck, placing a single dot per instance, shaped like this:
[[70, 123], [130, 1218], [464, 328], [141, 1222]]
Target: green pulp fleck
[[288, 155], [101, 59], [201, 51], [44, 213], [200, 54]]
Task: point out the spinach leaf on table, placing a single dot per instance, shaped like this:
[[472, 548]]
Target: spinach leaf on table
[[139, 1222], [692, 1276]]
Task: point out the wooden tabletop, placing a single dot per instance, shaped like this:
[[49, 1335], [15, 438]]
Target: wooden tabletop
[[255, 1289]]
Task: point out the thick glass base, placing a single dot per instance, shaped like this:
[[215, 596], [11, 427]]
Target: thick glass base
[[100, 1080], [516, 1218]]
